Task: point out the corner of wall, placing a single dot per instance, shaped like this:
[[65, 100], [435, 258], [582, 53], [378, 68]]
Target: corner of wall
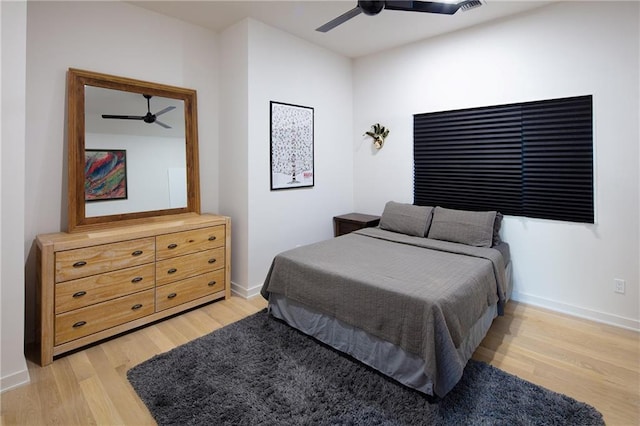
[[14, 380], [13, 369], [233, 153], [245, 293]]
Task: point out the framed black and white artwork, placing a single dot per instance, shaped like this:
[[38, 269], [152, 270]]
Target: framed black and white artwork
[[291, 146]]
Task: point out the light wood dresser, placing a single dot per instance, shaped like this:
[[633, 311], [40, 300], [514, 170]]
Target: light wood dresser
[[96, 284]]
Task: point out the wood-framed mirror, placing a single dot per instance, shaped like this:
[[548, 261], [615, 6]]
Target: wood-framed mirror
[[132, 150]]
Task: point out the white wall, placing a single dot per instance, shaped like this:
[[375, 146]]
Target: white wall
[[234, 148], [568, 49], [13, 24], [114, 38], [286, 69]]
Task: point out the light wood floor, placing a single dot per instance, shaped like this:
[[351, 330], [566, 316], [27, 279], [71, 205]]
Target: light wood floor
[[590, 362]]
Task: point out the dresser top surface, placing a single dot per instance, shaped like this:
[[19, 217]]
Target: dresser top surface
[[155, 226]]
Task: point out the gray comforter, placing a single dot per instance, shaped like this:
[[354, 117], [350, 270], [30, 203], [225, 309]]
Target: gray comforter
[[418, 293]]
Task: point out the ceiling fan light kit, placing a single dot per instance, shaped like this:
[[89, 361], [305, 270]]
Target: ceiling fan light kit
[[371, 8]]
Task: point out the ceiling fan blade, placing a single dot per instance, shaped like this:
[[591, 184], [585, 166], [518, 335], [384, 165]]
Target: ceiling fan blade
[[339, 20], [423, 6], [124, 117], [160, 123], [167, 109]]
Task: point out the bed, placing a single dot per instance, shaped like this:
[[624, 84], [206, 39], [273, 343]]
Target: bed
[[412, 298]]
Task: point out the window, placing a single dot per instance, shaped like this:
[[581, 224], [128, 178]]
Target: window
[[531, 159]]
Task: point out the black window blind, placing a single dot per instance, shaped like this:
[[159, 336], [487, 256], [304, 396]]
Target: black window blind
[[531, 159]]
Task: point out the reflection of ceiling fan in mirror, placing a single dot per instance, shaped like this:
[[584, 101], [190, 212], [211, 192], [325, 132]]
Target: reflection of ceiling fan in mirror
[[147, 118], [445, 7]]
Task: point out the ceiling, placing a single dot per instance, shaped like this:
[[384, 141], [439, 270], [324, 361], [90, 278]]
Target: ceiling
[[360, 36]]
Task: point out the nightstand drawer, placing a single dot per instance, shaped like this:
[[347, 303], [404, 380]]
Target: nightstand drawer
[[85, 321], [181, 243], [178, 268], [72, 264], [180, 292]]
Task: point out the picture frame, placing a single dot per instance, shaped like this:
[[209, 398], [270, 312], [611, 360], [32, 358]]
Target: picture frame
[[291, 142], [105, 174]]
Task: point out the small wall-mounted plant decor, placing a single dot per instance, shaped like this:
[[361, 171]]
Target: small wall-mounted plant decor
[[378, 133]]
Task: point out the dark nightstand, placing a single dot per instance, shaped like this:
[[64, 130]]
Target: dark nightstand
[[350, 222]]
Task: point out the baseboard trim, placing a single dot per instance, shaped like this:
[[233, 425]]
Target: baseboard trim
[[577, 311], [245, 293], [14, 380]]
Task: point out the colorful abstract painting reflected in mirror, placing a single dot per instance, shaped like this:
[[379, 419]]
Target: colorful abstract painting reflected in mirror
[[105, 175]]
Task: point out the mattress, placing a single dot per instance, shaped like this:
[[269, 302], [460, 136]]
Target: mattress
[[431, 299], [389, 359]]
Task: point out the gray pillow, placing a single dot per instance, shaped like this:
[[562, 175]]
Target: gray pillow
[[406, 218], [461, 226], [496, 229]]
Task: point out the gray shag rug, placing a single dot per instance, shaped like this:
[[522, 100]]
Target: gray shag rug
[[260, 371]]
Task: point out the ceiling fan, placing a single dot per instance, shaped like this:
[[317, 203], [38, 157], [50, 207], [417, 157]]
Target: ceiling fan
[[447, 7], [147, 118]]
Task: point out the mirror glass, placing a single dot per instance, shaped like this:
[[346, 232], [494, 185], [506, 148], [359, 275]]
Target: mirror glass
[[132, 150], [153, 170]]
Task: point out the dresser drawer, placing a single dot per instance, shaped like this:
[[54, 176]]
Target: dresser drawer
[[181, 267], [192, 288], [186, 242], [85, 321], [99, 288], [72, 264]]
